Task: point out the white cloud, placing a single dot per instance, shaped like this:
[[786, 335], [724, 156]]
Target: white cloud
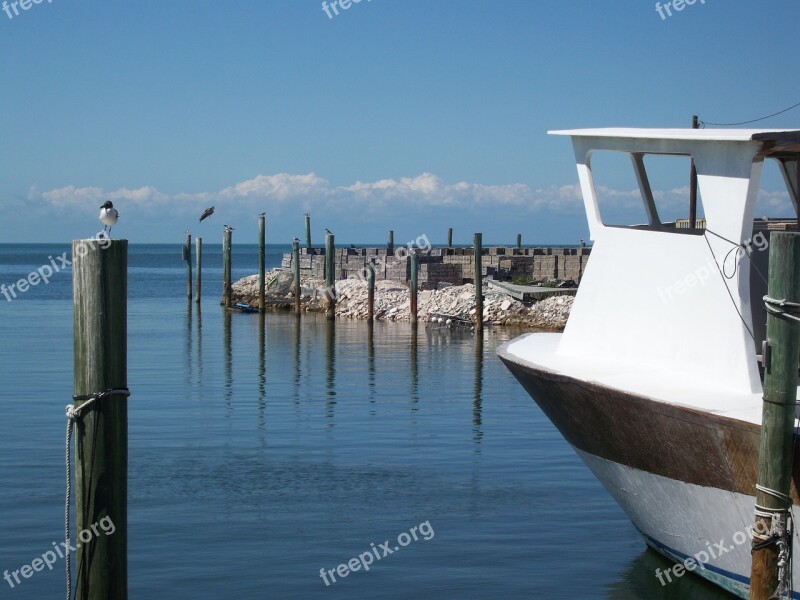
[[423, 191]]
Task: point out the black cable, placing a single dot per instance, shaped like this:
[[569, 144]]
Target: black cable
[[780, 112]]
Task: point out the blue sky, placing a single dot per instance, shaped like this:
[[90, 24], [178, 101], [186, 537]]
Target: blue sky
[[415, 115]]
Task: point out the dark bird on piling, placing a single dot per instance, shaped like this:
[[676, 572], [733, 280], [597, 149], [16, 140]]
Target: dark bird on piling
[[207, 213], [261, 214], [108, 217], [328, 231], [228, 228]]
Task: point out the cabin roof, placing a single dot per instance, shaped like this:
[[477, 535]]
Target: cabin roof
[[784, 136]]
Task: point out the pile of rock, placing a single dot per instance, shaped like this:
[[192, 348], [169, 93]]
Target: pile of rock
[[392, 301]]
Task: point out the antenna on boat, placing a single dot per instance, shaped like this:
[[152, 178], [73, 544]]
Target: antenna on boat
[[693, 185]]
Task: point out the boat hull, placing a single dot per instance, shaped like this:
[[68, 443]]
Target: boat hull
[[684, 477]]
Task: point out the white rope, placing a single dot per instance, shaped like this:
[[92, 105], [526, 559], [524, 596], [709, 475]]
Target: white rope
[[782, 308], [74, 413]]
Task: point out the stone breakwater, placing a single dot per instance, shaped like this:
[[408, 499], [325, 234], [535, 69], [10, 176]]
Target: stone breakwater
[[392, 301]]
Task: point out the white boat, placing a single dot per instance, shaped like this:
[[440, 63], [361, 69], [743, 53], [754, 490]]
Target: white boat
[[656, 380]]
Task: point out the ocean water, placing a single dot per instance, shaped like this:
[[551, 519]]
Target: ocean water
[[264, 450]]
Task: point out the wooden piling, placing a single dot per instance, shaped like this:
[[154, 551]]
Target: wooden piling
[[308, 231], [188, 246], [296, 272], [330, 280], [226, 267], [478, 245], [781, 355], [100, 296], [693, 184], [519, 241], [371, 291], [449, 237], [413, 285], [390, 244], [262, 266], [198, 242]]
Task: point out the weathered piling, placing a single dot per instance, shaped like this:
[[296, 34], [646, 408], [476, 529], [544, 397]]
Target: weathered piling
[[770, 566], [188, 253], [308, 231], [449, 237], [390, 243], [100, 292], [413, 286], [262, 265], [198, 242], [296, 273], [330, 280], [226, 266], [693, 184], [371, 291], [519, 241], [478, 282]]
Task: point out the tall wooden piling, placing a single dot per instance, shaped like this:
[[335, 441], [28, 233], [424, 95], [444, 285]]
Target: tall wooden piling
[[781, 355], [390, 244], [519, 241], [226, 267], [198, 284], [100, 296], [262, 265], [188, 246], [308, 231], [413, 285], [449, 237], [693, 184], [296, 273], [478, 245], [371, 291], [330, 280]]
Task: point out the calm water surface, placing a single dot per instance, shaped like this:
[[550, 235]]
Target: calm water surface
[[262, 451]]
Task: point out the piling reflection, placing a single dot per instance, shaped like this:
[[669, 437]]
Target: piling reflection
[[330, 369], [477, 402], [371, 366], [414, 367], [639, 582], [199, 320], [189, 343], [262, 369], [228, 360], [297, 371]]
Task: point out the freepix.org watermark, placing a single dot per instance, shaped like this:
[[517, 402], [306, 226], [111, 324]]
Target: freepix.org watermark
[[46, 271], [332, 9], [712, 551], [60, 550], [18, 5], [665, 10], [375, 553]]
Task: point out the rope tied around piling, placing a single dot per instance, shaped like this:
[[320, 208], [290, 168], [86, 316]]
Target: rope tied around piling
[[783, 309], [74, 414], [779, 534]]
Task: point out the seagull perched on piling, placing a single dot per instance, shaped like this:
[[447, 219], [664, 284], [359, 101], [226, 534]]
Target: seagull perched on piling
[[228, 228], [296, 240], [108, 217], [207, 213], [328, 231]]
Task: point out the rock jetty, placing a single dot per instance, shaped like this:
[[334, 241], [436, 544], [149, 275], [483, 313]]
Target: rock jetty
[[392, 301]]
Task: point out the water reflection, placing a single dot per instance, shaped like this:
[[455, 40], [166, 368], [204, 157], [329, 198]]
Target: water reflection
[[262, 369], [414, 366], [330, 370], [477, 402], [297, 326], [371, 366], [639, 582], [228, 360]]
